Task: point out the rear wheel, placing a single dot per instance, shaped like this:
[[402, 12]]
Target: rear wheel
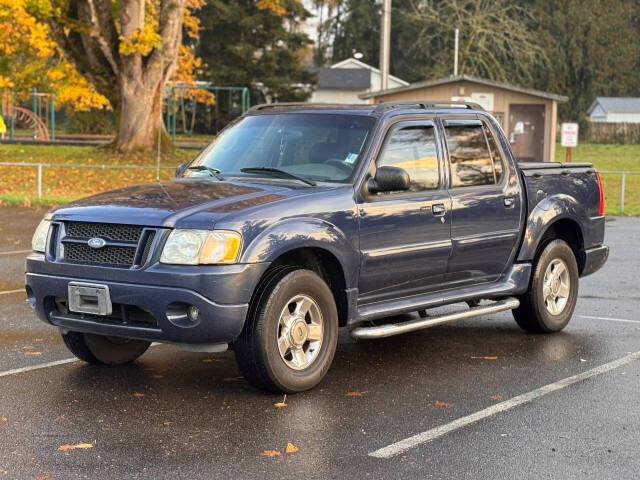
[[291, 333], [548, 305], [102, 350]]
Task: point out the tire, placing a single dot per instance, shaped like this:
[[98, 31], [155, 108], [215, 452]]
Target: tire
[[102, 350], [291, 310], [540, 314]]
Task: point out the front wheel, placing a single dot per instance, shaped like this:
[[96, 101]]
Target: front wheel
[[291, 333], [549, 303], [102, 350]]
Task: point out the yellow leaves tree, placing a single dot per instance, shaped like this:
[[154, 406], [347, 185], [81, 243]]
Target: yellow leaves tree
[[126, 51], [29, 58]]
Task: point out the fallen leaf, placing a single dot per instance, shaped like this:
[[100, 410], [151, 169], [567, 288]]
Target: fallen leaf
[[354, 394], [291, 448], [495, 397], [232, 379], [438, 403], [138, 395], [30, 352], [207, 360], [3, 419], [270, 453], [66, 448], [281, 404], [44, 477], [490, 357], [27, 347]]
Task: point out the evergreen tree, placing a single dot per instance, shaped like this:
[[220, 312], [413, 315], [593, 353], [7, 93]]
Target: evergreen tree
[[243, 44]]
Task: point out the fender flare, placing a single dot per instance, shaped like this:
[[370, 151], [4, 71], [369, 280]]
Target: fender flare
[[295, 233], [546, 213]]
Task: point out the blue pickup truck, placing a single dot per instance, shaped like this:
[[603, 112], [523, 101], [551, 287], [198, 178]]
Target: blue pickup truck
[[299, 219]]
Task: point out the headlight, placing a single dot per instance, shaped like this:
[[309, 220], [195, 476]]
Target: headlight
[[39, 240], [193, 247]]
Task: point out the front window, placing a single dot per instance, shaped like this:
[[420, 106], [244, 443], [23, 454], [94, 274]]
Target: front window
[[318, 147]]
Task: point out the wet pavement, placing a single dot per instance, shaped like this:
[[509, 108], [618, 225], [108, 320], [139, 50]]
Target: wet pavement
[[178, 415]]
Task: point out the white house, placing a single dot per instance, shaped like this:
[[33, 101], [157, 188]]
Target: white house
[[615, 110], [345, 80]]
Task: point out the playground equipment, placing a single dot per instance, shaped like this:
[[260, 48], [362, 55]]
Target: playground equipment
[[182, 101], [41, 117]]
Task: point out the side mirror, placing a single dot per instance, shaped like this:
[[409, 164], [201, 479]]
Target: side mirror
[[180, 169], [389, 179]]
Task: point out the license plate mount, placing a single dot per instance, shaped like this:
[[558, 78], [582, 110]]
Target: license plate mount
[[90, 298]]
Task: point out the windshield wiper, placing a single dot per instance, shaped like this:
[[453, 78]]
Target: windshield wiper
[[282, 173], [203, 168]]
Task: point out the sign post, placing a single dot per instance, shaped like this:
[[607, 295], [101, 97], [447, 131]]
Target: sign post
[[569, 138]]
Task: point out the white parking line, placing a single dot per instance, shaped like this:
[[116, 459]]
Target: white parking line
[[429, 435], [15, 371], [609, 319], [7, 292], [15, 252]]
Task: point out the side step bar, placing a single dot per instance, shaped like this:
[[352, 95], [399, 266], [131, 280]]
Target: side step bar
[[382, 331]]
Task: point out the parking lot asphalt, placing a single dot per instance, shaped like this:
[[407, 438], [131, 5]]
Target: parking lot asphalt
[[173, 414]]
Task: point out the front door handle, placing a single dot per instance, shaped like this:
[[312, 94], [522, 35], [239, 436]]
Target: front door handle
[[438, 209]]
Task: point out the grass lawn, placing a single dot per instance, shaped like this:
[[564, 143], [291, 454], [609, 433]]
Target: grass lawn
[[18, 184], [61, 184], [612, 157]]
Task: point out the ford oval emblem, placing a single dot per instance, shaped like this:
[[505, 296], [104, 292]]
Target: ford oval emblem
[[96, 242]]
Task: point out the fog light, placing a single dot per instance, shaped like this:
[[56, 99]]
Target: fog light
[[193, 313]]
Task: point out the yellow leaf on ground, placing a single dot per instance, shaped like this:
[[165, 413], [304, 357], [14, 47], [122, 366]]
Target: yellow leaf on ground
[[291, 448], [3, 419], [66, 448], [281, 404], [270, 453], [492, 357], [354, 394], [30, 352], [438, 403], [495, 397], [138, 395]]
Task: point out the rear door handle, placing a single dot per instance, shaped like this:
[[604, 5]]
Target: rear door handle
[[438, 209], [509, 202]]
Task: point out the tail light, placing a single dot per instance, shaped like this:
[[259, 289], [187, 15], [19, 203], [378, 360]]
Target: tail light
[[601, 205]]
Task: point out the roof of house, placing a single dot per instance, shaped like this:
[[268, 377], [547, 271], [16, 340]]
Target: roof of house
[[344, 78], [616, 104], [468, 78], [359, 64]]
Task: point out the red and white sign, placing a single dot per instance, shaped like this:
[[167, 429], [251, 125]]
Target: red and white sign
[[569, 135]]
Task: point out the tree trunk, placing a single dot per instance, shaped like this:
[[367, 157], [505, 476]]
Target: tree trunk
[[140, 116]]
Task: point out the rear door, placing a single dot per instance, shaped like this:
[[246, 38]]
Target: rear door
[[405, 236], [486, 202]]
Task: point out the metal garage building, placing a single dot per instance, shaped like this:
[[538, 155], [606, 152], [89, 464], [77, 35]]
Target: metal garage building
[[528, 116]]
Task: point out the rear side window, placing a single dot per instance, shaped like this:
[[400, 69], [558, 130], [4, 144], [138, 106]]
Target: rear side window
[[469, 156], [414, 150], [496, 156]]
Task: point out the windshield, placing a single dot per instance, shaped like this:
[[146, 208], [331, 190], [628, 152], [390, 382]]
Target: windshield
[[318, 147]]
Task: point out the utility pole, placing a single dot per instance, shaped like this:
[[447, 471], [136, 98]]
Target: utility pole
[[385, 44], [455, 55]]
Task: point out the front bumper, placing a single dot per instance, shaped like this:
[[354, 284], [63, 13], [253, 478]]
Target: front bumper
[[594, 259], [149, 293]]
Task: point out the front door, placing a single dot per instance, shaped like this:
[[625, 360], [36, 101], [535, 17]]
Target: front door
[[405, 236], [526, 132], [487, 202]]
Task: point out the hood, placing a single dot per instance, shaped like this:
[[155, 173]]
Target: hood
[[167, 203]]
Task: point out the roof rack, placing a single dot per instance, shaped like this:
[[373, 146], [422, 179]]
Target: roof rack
[[308, 105], [424, 104]]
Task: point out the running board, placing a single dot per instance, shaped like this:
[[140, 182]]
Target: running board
[[382, 331]]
